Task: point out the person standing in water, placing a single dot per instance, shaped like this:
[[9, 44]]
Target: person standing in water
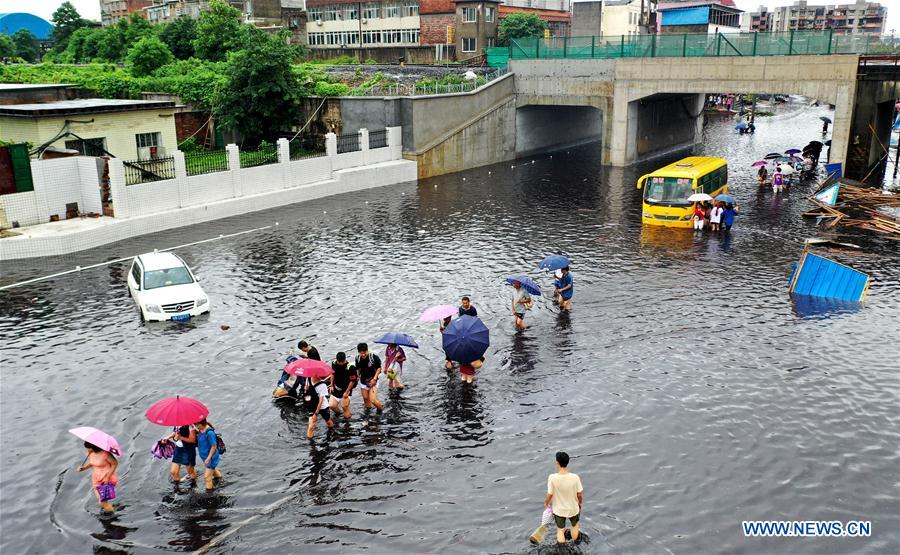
[[521, 301], [444, 324], [320, 391], [466, 308], [208, 447], [565, 288], [103, 465], [185, 440], [369, 367], [394, 357], [564, 491], [342, 383]]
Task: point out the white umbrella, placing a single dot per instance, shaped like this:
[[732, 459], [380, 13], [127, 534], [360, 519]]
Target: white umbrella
[[699, 197], [786, 169]]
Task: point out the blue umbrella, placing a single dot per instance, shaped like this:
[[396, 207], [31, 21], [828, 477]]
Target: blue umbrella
[[397, 339], [529, 284], [554, 262], [727, 199], [466, 339], [741, 125]]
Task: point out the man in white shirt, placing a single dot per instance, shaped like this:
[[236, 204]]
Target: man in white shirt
[[566, 494]]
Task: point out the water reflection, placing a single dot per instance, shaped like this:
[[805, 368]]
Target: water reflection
[[806, 306]]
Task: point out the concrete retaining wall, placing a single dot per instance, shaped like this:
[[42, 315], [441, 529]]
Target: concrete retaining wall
[[57, 182]]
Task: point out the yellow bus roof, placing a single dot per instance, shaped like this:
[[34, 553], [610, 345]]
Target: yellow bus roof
[[691, 167]]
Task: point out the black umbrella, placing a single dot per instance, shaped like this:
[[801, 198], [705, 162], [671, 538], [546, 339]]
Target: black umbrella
[[828, 142], [825, 118], [772, 156]]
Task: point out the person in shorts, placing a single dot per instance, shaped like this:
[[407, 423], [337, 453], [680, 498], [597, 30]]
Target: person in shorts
[[368, 365], [565, 288], [320, 391], [521, 300], [343, 381], [565, 493]]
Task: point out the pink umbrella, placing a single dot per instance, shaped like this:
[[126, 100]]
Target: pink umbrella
[[439, 312], [308, 368], [177, 411], [99, 438], [760, 163]]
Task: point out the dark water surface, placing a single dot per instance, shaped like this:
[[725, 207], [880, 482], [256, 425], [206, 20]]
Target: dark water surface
[[689, 388]]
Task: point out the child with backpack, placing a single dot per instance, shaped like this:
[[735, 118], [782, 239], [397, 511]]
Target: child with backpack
[[208, 447]]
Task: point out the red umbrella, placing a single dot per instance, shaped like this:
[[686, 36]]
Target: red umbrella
[[308, 368], [177, 411]]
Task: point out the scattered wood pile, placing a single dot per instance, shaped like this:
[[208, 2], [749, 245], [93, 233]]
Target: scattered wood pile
[[858, 207]]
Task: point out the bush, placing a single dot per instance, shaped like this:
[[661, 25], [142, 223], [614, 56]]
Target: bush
[[331, 89], [147, 55]]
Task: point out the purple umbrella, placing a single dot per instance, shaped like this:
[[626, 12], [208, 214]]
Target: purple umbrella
[[759, 163], [792, 151]]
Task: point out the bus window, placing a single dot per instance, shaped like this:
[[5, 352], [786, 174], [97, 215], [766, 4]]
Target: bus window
[[668, 190]]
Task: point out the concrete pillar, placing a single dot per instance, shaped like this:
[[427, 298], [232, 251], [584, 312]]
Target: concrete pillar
[[395, 142], [364, 145], [181, 178], [841, 127], [117, 188], [284, 158], [330, 144], [615, 136], [234, 168]]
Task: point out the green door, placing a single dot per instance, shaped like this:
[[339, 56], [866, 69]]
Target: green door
[[21, 165]]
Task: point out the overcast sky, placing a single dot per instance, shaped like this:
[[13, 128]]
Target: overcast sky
[[91, 8]]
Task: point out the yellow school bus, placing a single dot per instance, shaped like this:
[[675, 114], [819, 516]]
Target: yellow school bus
[[666, 190]]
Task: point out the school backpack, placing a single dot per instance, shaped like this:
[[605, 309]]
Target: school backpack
[[220, 444]]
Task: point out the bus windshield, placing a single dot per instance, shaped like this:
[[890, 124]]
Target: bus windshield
[[673, 191]]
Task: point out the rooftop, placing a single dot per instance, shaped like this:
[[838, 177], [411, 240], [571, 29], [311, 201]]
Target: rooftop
[[160, 261], [84, 106], [32, 86]]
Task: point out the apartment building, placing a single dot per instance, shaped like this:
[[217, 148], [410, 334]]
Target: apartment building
[[112, 11], [859, 18], [166, 11], [344, 23], [762, 20], [717, 16]]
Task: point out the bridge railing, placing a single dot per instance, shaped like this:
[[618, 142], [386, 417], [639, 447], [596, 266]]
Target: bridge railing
[[691, 45]]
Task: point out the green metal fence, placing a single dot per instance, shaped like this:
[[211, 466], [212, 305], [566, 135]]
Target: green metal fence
[[686, 45]]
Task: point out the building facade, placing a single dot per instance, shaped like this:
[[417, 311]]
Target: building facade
[[167, 11], [438, 21], [343, 23], [612, 18], [112, 11], [859, 18], [718, 16], [760, 21], [476, 26]]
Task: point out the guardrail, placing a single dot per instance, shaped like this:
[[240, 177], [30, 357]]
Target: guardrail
[[147, 171], [199, 163], [348, 142], [691, 45]]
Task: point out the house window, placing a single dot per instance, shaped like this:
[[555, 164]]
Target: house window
[[371, 11], [371, 37], [147, 139], [410, 9], [330, 13], [316, 39], [88, 147], [490, 42], [489, 15], [469, 15], [313, 14], [391, 10], [409, 36], [468, 45], [351, 12]]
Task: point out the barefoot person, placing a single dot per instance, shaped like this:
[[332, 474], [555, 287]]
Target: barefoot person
[[394, 357], [368, 365], [565, 288], [320, 392], [565, 493], [467, 309], [208, 447], [103, 465], [342, 383], [521, 301]]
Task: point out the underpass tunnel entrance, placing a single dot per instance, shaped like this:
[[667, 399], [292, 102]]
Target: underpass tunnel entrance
[[662, 123], [542, 128]]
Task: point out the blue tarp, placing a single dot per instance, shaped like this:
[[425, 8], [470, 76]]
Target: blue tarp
[[12, 22], [818, 276], [698, 15]]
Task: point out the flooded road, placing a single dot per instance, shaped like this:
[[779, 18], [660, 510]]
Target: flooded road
[[690, 390]]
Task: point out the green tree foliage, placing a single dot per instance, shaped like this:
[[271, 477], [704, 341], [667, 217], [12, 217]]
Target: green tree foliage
[[520, 25], [135, 29], [179, 37], [7, 47], [27, 46], [147, 55], [260, 95], [66, 20], [219, 31], [111, 45]]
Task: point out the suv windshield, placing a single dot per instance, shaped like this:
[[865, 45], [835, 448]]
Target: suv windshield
[[167, 277], [673, 191]]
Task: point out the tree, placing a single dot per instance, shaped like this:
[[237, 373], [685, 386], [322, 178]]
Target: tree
[[219, 31], [111, 46], [66, 20], [27, 46], [7, 47], [519, 26], [260, 96], [135, 29], [179, 37], [147, 55]]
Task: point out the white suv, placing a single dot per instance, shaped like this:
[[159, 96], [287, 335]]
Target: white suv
[[164, 288]]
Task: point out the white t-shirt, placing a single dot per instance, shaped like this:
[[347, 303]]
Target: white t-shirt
[[716, 215], [564, 487], [521, 298], [322, 392]]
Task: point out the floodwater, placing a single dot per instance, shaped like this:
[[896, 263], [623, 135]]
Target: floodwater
[[692, 393]]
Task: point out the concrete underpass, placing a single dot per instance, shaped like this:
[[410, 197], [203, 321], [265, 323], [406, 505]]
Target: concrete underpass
[[548, 128]]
